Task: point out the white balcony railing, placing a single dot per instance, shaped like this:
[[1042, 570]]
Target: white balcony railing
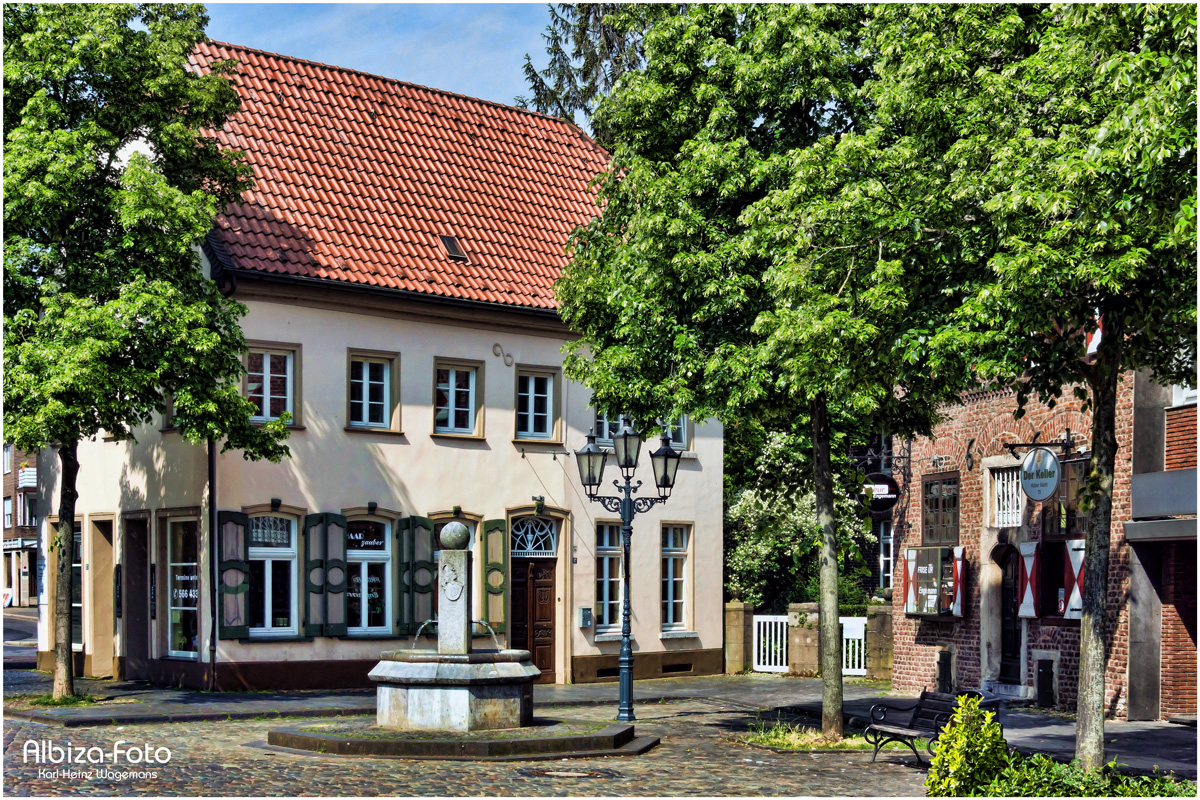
[[27, 478]]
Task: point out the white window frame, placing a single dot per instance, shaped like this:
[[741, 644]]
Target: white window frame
[[358, 559], [608, 555], [885, 554], [8, 512], [526, 388], [77, 607], [674, 581], [604, 426], [7, 458], [269, 555], [677, 432], [171, 605], [1180, 396], [1008, 501], [452, 398], [23, 518], [289, 398], [366, 402]]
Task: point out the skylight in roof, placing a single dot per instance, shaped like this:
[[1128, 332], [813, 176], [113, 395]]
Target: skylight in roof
[[452, 248]]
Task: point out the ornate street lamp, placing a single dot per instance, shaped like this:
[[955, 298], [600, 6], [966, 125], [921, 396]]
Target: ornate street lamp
[[591, 459]]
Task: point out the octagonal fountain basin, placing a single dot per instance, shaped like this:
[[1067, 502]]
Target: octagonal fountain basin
[[479, 690]]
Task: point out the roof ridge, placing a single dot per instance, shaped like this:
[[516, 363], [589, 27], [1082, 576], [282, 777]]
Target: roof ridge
[[568, 123]]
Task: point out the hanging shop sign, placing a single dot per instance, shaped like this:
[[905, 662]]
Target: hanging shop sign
[[880, 493], [1040, 473]]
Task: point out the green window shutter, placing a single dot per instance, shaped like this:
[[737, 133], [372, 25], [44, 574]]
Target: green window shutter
[[233, 529], [335, 575], [423, 573], [314, 575], [402, 622], [495, 574]]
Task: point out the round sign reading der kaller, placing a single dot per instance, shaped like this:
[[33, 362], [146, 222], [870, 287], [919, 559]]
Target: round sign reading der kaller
[[1040, 472]]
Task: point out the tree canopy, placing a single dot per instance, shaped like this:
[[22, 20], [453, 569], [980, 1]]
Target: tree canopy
[[112, 179]]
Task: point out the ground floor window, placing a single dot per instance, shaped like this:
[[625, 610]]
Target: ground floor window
[[885, 553], [272, 576], [183, 581], [674, 562], [77, 589], [369, 592], [608, 575]]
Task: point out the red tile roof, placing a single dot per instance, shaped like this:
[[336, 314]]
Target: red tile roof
[[357, 175]]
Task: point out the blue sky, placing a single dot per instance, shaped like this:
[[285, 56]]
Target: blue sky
[[473, 49]]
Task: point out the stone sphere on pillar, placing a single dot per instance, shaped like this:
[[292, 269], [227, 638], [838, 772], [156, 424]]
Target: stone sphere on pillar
[[455, 536]]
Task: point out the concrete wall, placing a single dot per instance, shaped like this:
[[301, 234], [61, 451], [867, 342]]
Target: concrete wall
[[411, 471], [804, 647]]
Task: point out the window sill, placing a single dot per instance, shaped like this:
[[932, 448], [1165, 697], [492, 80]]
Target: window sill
[[678, 635], [275, 639], [547, 442], [470, 437], [365, 429], [291, 426], [372, 637], [608, 637], [179, 658]]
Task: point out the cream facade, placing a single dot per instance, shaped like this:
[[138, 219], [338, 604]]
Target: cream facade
[[501, 451]]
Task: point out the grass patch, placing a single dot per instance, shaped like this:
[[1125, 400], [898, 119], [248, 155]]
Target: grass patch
[[872, 684], [48, 701], [789, 736]]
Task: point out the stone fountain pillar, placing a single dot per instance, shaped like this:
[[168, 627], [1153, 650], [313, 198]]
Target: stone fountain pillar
[[454, 688]]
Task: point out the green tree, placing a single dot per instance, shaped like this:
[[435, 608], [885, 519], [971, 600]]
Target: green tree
[[590, 46], [112, 178], [737, 267], [1072, 129]]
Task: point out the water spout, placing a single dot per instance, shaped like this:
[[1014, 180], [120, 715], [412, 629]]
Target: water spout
[[495, 641], [417, 638]]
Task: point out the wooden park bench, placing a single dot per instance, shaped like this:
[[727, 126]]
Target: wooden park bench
[[923, 719]]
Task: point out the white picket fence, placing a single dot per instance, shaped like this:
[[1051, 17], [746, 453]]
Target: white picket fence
[[854, 645], [770, 643]]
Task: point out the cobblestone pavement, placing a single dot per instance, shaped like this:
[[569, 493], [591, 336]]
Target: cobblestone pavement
[[697, 756]]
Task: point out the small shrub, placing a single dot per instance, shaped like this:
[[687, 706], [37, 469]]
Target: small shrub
[[1039, 776], [971, 752], [69, 700]]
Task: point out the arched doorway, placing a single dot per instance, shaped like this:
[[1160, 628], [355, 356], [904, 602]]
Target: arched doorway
[[534, 551], [1010, 623]]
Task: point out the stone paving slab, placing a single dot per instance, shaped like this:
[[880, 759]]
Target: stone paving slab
[[698, 756]]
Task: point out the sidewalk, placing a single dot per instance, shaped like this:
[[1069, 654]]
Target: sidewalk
[[1139, 745]]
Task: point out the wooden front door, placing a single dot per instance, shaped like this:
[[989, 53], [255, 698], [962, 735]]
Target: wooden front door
[[1010, 623], [533, 612], [136, 600]]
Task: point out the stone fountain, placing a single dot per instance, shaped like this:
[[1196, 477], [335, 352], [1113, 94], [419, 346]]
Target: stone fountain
[[454, 688]]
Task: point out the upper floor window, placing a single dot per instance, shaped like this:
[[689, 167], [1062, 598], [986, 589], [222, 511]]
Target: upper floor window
[[270, 383], [8, 517], [272, 579], [940, 509], [676, 430], [455, 400], [607, 426], [1008, 498], [535, 405], [1180, 395], [7, 458]]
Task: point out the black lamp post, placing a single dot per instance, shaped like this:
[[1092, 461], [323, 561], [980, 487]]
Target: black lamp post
[[626, 446]]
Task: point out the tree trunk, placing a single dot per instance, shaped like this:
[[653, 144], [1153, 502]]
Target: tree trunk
[[829, 635], [64, 545], [1093, 659]]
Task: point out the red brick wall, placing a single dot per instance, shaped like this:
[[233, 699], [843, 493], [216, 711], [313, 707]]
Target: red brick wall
[[1181, 438], [987, 418], [1179, 629]]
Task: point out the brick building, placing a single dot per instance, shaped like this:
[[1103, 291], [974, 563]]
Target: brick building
[[988, 581], [20, 527]]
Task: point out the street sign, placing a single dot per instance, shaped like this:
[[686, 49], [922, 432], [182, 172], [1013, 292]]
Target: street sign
[[1040, 473]]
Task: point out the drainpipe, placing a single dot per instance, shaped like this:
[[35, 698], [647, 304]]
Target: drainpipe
[[212, 545]]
